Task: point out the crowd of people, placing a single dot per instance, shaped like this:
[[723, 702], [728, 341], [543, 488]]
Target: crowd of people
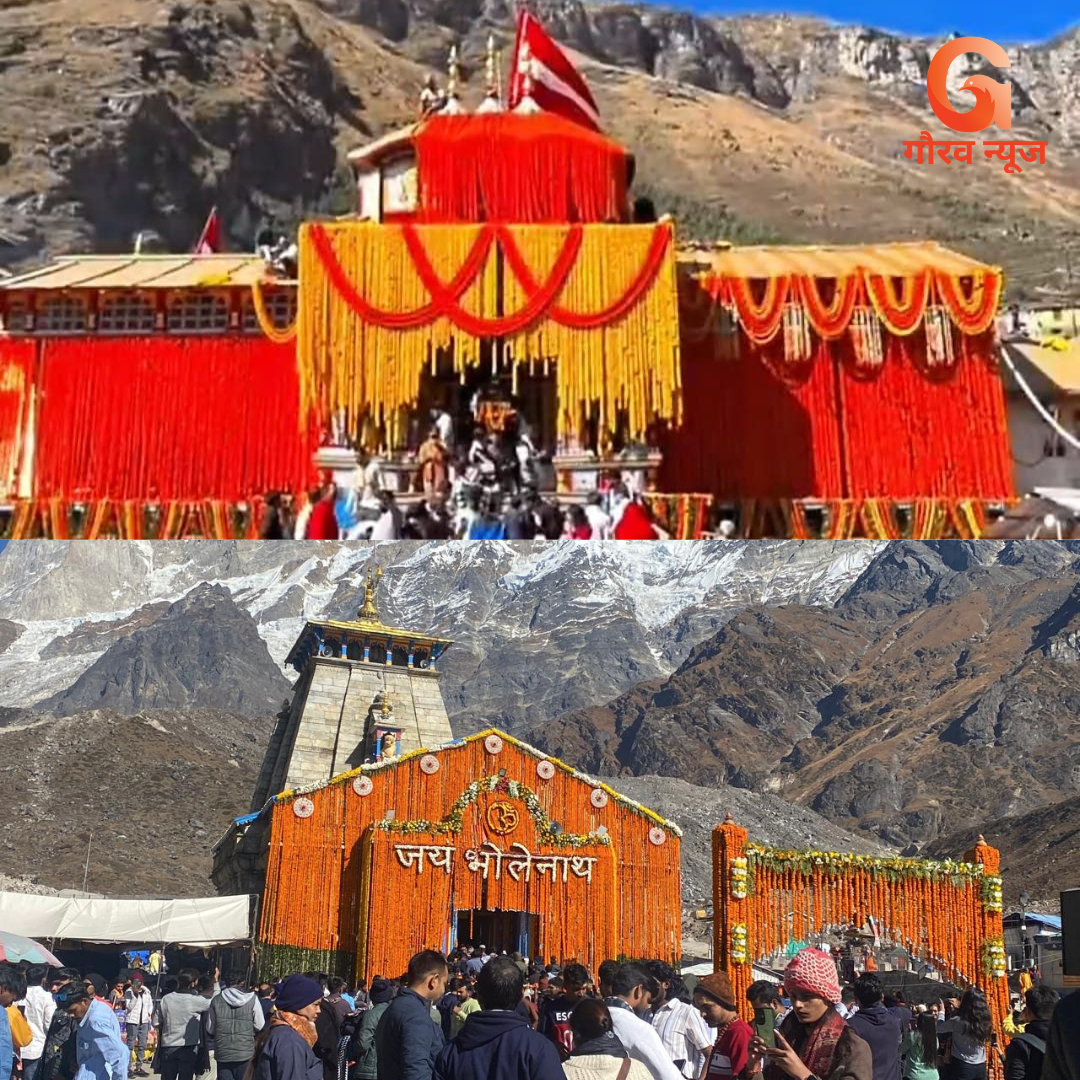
[[487, 488], [481, 1016]]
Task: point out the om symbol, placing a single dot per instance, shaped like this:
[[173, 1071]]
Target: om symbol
[[502, 818]]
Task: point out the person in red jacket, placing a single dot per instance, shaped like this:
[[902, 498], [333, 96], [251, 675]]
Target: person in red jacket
[[323, 523], [714, 998]]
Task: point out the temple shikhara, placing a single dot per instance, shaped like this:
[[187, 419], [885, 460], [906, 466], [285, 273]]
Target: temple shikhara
[[374, 833], [497, 267]]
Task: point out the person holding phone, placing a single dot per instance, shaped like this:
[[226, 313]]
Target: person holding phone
[[714, 998], [814, 1042]]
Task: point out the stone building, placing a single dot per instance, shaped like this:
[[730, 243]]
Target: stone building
[[366, 693]]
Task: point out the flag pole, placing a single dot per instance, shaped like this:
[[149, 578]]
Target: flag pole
[[210, 218]]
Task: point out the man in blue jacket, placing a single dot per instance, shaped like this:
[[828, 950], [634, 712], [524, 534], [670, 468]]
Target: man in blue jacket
[[408, 1039], [99, 1048], [497, 1043], [878, 1026]]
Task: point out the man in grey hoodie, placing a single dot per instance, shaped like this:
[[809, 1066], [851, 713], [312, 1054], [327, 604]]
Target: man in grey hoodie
[[231, 1023]]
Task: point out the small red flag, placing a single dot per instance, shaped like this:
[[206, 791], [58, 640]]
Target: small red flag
[[557, 86], [210, 238]]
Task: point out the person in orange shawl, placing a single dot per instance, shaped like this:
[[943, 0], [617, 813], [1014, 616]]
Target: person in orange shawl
[[635, 524], [285, 1049], [814, 1042]]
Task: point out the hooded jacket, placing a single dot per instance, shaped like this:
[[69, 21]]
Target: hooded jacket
[[880, 1028], [231, 1022], [499, 1045]]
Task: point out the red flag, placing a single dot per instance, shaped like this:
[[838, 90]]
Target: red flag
[[210, 238], [557, 87]]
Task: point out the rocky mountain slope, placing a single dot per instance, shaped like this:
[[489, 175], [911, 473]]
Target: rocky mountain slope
[[749, 128], [155, 790], [940, 689], [538, 629], [1040, 851], [202, 651]]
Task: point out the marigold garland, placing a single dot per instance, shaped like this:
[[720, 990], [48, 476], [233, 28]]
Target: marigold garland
[[900, 314], [972, 314], [327, 875], [945, 911], [378, 304], [761, 322], [266, 323], [833, 320]]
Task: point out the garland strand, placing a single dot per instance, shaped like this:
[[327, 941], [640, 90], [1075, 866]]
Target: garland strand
[[266, 323]]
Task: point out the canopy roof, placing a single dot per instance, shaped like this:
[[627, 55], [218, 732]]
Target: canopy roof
[[890, 260], [142, 272], [1061, 367], [200, 921]]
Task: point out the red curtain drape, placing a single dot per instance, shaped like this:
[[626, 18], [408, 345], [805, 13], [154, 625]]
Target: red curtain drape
[[913, 431], [758, 427], [170, 418], [501, 167], [755, 427], [17, 363]]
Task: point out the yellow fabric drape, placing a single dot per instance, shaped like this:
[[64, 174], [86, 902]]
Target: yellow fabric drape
[[631, 365], [626, 369]]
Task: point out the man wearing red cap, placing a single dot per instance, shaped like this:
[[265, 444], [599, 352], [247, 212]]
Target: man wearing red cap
[[814, 1042], [715, 1000]]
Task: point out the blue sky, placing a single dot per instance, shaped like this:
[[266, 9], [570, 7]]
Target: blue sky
[[3, 544], [1000, 20]]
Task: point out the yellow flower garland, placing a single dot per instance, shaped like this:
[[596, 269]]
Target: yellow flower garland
[[266, 323], [626, 369]]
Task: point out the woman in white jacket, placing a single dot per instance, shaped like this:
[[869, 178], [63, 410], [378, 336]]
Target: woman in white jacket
[[598, 1054]]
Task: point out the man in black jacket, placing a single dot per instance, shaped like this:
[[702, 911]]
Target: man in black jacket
[[408, 1040], [1024, 1056], [496, 1043], [57, 1060], [877, 1026], [1062, 1060]]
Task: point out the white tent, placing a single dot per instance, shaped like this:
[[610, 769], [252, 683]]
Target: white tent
[[201, 921]]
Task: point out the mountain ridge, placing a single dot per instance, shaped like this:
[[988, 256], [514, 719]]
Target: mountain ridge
[[751, 129]]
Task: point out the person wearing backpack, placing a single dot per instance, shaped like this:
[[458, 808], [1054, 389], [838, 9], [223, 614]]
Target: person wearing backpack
[[1025, 1053], [362, 1049], [332, 1012]]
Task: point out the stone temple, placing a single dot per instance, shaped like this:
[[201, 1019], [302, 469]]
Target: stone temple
[[366, 693]]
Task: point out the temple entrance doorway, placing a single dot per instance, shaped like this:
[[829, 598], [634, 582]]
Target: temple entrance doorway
[[499, 931]]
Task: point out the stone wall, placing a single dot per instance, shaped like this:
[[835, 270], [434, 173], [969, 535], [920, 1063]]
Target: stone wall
[[330, 722]]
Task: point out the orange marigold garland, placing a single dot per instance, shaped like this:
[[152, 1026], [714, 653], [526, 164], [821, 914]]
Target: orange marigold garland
[[948, 912]]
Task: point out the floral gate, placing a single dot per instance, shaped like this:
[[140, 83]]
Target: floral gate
[[944, 912]]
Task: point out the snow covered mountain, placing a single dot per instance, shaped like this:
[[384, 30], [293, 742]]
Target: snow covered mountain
[[539, 628]]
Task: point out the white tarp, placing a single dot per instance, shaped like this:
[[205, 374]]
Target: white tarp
[[210, 920]]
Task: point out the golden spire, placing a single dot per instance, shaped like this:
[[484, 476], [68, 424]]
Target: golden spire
[[492, 102], [370, 611], [385, 709], [453, 104]]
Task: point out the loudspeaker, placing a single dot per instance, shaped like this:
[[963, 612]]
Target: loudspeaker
[[1070, 931]]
